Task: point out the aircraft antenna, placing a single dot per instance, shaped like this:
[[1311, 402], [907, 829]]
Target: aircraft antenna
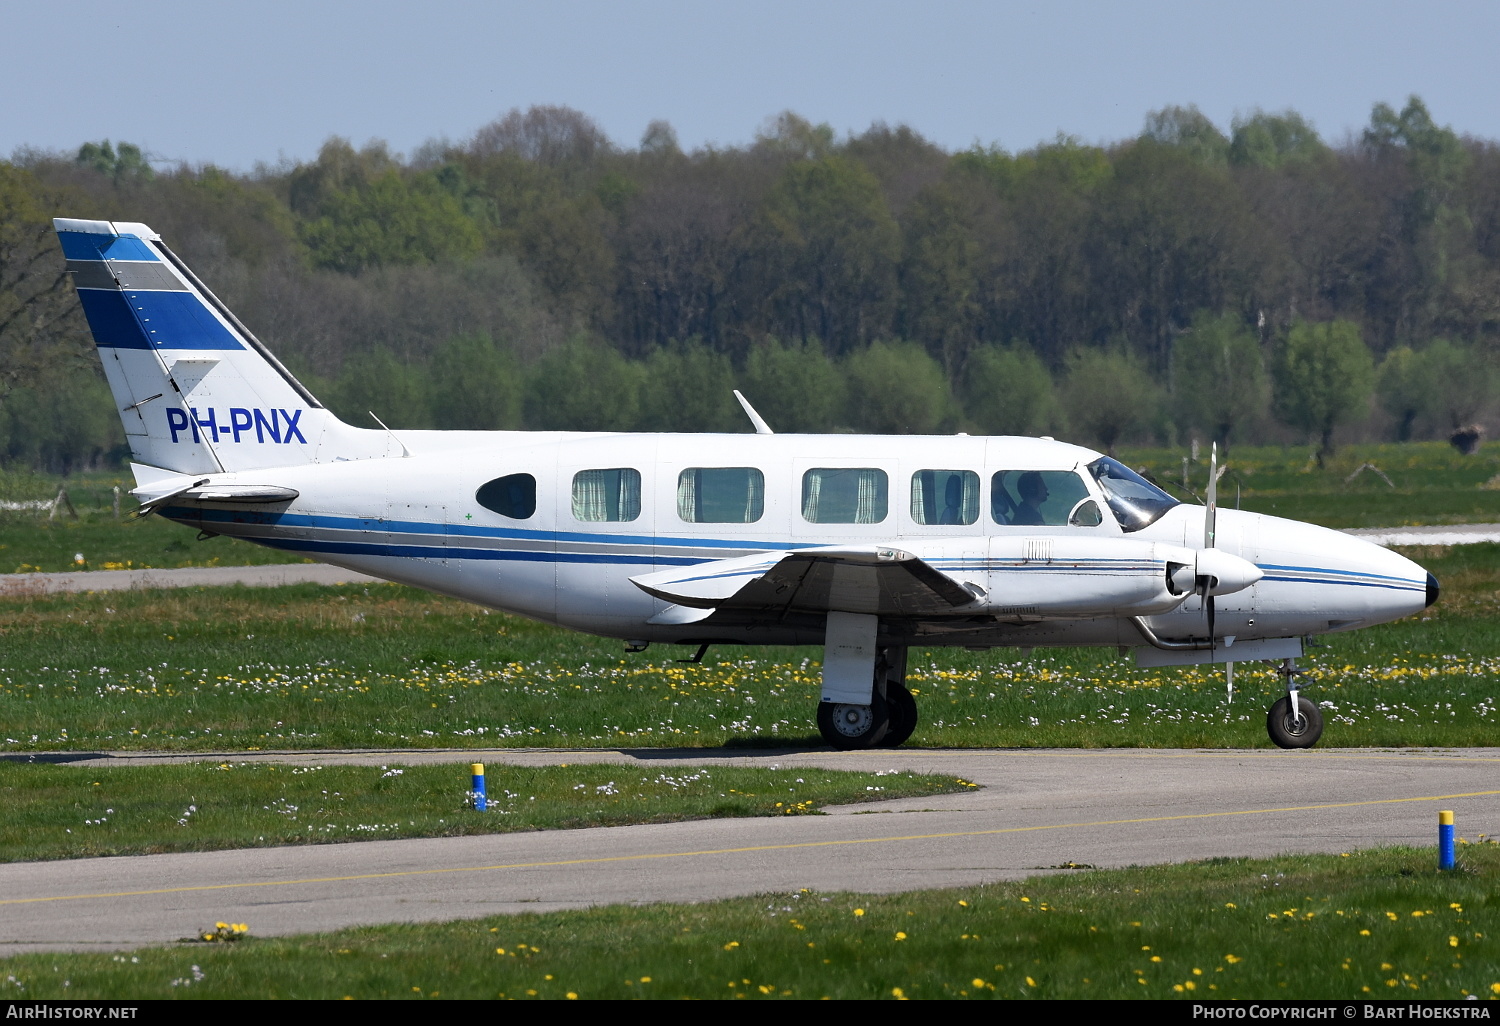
[[405, 452], [761, 427]]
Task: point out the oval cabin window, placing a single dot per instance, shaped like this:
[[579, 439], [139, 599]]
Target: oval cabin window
[[512, 496]]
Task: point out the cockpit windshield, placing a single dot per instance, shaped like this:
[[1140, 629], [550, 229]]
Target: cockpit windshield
[[1134, 501]]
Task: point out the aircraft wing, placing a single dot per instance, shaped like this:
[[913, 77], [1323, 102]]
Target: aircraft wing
[[874, 579]]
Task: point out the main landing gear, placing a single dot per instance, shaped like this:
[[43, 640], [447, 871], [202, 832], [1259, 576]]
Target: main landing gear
[[1293, 721], [888, 719]]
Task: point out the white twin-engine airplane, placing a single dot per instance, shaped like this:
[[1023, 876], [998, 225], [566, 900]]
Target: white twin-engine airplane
[[864, 544]]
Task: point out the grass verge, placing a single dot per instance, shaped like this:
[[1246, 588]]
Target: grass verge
[[1375, 924], [69, 812]]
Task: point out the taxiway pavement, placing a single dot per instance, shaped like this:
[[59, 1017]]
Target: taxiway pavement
[[1035, 811]]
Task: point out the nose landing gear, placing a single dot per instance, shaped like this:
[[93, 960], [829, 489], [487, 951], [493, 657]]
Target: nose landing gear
[[1293, 721]]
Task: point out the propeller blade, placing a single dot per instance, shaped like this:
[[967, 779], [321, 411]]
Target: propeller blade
[[1229, 681], [1209, 603]]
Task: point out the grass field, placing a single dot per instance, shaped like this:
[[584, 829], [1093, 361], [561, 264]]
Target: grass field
[[1424, 483], [69, 812], [1374, 924], [1429, 483], [385, 666]]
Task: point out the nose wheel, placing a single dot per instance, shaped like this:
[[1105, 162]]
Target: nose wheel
[[1299, 730], [1293, 721]]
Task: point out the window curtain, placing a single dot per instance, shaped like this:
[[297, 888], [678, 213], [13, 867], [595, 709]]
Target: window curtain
[[867, 506], [755, 495], [591, 495], [630, 495], [812, 487], [687, 496], [920, 486], [971, 497]]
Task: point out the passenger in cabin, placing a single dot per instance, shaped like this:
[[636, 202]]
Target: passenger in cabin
[[953, 501], [1033, 493]]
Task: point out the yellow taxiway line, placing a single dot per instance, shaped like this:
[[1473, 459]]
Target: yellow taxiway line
[[740, 851]]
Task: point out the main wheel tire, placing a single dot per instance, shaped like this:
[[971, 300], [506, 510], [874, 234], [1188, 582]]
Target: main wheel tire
[[851, 727], [1300, 731], [903, 708]]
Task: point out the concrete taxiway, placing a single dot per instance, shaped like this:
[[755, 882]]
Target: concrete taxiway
[[1036, 811]]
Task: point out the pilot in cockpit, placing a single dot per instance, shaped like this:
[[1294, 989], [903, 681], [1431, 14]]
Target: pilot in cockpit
[[1033, 491]]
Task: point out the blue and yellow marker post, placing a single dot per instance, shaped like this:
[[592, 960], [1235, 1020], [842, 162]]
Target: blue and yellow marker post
[[1446, 859], [478, 785]]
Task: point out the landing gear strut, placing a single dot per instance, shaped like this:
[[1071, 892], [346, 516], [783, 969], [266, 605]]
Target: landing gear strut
[[886, 722], [1293, 721]]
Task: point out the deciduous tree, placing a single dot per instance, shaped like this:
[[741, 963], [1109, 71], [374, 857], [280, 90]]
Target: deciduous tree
[[1324, 379]]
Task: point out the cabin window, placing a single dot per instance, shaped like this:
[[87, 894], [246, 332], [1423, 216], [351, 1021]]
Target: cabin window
[[1133, 500], [721, 495], [836, 495], [1037, 498], [511, 496], [945, 497], [607, 495]]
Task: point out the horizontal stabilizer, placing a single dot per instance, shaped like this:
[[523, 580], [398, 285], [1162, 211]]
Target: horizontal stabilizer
[[873, 579], [156, 486], [237, 494]]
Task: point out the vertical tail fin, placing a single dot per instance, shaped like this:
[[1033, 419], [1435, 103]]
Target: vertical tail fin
[[197, 392]]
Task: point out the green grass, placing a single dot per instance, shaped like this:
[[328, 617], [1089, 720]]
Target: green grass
[[1375, 924], [1430, 484], [59, 811], [32, 541], [388, 667]]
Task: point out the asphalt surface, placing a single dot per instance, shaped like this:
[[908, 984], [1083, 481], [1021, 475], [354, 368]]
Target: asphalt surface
[[1036, 810], [186, 577], [1457, 534]]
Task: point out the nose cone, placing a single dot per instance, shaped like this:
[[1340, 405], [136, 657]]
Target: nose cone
[[1341, 580]]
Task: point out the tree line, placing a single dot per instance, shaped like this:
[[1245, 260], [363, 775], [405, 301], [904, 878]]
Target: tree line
[[1250, 285]]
